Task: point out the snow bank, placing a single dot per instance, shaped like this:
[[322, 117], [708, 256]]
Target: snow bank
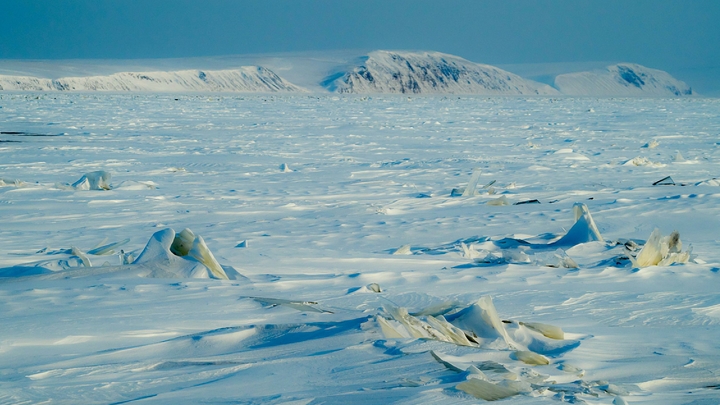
[[624, 79], [429, 73]]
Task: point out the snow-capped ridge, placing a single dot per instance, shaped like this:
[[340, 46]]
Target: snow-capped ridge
[[242, 79], [429, 73], [623, 79]]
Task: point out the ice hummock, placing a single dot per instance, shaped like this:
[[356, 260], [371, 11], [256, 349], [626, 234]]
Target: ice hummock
[[97, 180], [184, 255]]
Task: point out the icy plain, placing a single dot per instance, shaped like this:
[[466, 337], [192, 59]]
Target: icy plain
[[338, 212]]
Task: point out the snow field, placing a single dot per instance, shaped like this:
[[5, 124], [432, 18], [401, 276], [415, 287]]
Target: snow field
[[308, 198]]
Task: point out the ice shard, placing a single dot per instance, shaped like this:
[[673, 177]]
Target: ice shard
[[472, 184], [584, 230], [482, 320], [486, 390]]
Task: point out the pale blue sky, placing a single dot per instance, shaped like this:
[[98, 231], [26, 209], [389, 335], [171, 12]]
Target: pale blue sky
[[657, 33]]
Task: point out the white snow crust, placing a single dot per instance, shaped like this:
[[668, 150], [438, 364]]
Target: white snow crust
[[623, 79], [430, 73], [336, 257]]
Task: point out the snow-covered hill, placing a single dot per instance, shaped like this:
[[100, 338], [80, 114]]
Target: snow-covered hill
[[624, 79], [243, 79], [343, 72], [429, 73]]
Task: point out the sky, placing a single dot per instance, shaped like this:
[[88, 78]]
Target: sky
[[654, 33]]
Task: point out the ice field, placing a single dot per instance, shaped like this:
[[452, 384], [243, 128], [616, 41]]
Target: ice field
[[383, 249]]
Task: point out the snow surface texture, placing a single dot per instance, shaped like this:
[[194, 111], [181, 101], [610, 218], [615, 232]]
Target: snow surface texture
[[564, 292], [430, 73], [624, 79], [244, 79]]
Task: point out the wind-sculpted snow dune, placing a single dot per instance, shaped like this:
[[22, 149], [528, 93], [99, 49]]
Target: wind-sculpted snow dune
[[344, 249], [243, 79]]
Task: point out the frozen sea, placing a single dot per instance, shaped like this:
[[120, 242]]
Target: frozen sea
[[316, 203]]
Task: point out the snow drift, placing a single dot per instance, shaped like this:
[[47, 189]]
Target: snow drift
[[624, 79], [429, 73], [243, 79]]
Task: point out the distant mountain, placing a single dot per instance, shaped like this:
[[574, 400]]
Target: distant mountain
[[243, 79], [429, 73], [624, 79], [378, 72]]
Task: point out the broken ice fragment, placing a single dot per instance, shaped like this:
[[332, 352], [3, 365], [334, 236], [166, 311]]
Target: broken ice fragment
[[562, 260], [533, 201], [501, 201], [550, 331], [388, 330], [661, 251], [584, 230], [665, 181], [472, 184], [79, 253], [299, 305], [374, 287], [455, 334], [652, 144], [678, 157], [531, 358], [183, 242], [414, 326], [482, 320], [642, 161], [201, 253], [403, 250], [285, 168], [448, 364], [486, 390], [11, 182], [569, 368], [474, 372], [515, 256]]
